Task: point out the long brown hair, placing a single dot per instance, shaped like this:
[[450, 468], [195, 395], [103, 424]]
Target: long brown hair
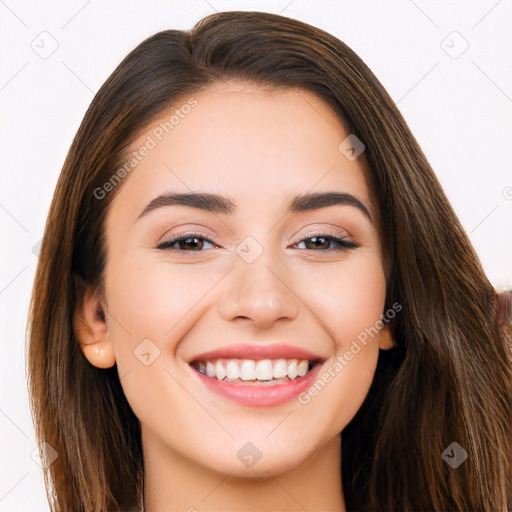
[[449, 378]]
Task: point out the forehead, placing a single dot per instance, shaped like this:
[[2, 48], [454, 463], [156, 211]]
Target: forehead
[[252, 144]]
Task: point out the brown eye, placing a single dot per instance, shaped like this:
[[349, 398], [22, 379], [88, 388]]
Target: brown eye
[[190, 243], [318, 242], [186, 243], [326, 243]]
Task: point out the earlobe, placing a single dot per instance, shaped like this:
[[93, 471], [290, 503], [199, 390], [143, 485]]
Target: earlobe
[[90, 328], [386, 339], [100, 354]]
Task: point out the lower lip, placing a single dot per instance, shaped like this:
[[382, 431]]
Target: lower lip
[[260, 396]]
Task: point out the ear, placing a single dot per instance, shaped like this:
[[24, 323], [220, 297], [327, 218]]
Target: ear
[[386, 340], [90, 327]]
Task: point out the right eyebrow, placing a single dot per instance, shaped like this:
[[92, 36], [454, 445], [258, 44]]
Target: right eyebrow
[[210, 202]]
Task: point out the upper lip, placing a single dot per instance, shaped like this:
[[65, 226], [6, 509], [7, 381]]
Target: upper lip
[[256, 352]]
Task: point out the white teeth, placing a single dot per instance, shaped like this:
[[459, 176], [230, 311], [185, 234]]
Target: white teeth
[[220, 372], [280, 369], [302, 368], [232, 370], [292, 369], [264, 370], [248, 370], [210, 369]]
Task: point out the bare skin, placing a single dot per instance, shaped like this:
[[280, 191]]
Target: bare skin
[[260, 149]]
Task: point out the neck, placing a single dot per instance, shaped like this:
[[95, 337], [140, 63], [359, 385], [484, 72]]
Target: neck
[[172, 482]]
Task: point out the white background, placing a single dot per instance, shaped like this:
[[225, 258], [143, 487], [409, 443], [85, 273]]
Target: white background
[[459, 109]]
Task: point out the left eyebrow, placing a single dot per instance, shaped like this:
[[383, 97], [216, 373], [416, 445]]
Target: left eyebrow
[[219, 204], [322, 200]]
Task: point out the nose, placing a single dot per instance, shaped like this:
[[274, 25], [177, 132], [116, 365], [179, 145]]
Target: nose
[[260, 292]]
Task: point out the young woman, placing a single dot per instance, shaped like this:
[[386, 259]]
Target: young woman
[[252, 293]]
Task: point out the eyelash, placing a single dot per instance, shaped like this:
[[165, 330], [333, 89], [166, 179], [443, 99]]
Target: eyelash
[[342, 243]]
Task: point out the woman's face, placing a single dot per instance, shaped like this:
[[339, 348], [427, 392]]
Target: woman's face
[[256, 287]]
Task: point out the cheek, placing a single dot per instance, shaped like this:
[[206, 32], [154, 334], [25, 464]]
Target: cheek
[[349, 302], [349, 298], [152, 305], [150, 301]]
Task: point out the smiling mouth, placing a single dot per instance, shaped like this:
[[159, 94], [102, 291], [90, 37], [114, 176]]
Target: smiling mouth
[[263, 372]]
